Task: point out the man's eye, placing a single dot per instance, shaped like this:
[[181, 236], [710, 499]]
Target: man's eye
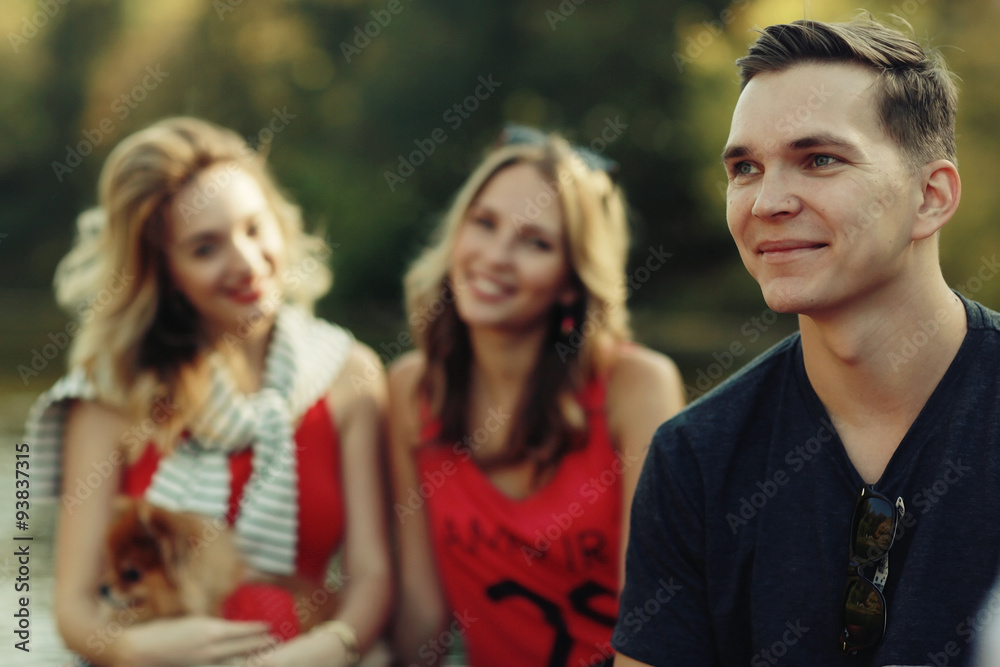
[[823, 160], [744, 169]]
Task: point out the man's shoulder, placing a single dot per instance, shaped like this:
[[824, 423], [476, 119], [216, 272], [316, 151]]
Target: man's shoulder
[[764, 375], [729, 413], [981, 318]]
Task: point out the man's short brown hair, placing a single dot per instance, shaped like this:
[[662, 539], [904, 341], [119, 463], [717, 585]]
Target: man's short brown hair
[[915, 95]]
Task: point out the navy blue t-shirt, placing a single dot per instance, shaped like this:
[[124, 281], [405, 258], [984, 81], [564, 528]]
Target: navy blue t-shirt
[[740, 525]]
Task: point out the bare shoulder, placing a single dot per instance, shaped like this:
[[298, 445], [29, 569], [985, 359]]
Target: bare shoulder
[[359, 388], [405, 372], [362, 372], [639, 369], [644, 387], [95, 430], [404, 415]]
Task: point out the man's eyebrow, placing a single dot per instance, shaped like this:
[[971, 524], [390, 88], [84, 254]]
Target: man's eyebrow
[[802, 143], [732, 152], [823, 139]]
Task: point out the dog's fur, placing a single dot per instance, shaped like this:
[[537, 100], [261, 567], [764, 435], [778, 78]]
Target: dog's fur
[[164, 564]]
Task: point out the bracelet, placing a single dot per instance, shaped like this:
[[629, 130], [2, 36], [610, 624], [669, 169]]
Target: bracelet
[[347, 637]]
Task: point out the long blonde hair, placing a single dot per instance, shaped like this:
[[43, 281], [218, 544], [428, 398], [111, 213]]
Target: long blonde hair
[[549, 421], [137, 341]]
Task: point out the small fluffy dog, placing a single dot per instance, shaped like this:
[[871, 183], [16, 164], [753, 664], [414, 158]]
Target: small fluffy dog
[[165, 564]]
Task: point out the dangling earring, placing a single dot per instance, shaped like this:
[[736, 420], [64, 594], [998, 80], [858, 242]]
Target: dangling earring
[[568, 322]]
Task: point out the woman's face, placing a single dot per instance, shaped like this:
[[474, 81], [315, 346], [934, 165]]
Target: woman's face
[[509, 265], [225, 250]]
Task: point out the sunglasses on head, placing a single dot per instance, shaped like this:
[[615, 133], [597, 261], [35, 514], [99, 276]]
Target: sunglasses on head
[[873, 530], [514, 134]]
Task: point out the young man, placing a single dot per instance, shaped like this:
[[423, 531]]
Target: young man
[[763, 524]]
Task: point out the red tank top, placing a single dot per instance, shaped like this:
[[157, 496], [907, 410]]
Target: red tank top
[[531, 581], [321, 503]]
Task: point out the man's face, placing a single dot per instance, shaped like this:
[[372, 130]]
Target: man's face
[[820, 202]]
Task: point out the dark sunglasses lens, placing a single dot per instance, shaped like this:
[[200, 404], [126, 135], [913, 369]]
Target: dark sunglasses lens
[[864, 614], [872, 529]]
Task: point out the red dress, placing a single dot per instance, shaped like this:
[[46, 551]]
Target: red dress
[[321, 503], [531, 581]]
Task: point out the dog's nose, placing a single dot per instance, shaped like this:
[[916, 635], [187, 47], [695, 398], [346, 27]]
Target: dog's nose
[[105, 591]]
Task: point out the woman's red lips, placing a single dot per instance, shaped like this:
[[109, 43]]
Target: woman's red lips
[[246, 296]]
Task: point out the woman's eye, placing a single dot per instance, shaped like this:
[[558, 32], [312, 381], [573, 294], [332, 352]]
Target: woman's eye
[[538, 242], [204, 250]]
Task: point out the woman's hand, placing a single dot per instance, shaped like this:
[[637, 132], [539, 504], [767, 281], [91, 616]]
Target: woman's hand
[[317, 648], [192, 640]]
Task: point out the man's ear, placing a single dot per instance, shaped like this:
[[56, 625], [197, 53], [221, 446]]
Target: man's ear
[[942, 190]]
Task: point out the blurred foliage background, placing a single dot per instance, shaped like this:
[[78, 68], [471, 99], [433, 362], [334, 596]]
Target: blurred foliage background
[[359, 85]]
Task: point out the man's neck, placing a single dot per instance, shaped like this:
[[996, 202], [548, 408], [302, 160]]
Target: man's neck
[[874, 366]]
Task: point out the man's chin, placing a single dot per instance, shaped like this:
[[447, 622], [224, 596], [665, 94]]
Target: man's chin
[[784, 302]]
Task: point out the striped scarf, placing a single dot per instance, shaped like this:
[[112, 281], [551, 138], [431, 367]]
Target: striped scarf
[[304, 357]]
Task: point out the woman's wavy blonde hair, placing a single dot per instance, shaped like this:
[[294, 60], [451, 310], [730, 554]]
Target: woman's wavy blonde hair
[[139, 341], [549, 421]]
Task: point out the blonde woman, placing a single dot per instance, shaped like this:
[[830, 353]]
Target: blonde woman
[[519, 426], [203, 383]]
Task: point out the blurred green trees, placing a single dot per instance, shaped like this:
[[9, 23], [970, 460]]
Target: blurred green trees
[[383, 106]]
